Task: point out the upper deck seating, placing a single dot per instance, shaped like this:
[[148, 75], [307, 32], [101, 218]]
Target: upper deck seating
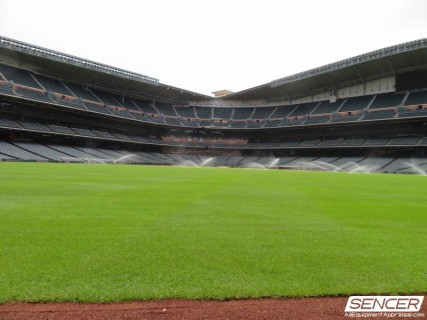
[[53, 85], [19, 76], [387, 100], [356, 103]]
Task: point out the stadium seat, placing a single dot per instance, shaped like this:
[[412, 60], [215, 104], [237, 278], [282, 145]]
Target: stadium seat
[[53, 85], [185, 112], [34, 126], [408, 113], [4, 122], [263, 112], [303, 109], [282, 112], [327, 107], [377, 115], [19, 76], [80, 92], [356, 103], [416, 98], [33, 94], [387, 100], [242, 113], [16, 152], [222, 113], [203, 112]]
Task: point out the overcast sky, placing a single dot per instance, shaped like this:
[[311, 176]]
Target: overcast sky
[[205, 45]]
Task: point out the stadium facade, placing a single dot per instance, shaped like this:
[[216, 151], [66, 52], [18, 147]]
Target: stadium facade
[[366, 113]]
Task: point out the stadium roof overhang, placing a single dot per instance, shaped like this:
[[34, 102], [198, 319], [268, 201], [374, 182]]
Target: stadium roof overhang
[[370, 66], [89, 73]]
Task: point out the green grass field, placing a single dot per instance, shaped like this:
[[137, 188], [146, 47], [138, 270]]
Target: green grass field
[[114, 232]]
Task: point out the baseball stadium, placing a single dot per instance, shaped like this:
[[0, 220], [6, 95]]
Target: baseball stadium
[[137, 199]]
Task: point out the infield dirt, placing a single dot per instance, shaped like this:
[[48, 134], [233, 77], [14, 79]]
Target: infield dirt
[[329, 308]]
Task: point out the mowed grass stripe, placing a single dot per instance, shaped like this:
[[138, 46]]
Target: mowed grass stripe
[[72, 232]]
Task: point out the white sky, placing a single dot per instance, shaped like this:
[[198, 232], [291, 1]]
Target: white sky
[[207, 45]]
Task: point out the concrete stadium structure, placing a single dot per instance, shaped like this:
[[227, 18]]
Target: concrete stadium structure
[[367, 113]]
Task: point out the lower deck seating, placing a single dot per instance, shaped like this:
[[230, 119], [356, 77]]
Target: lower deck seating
[[308, 143], [84, 132], [113, 153], [104, 134], [93, 152], [61, 129], [288, 144], [14, 151], [325, 159], [352, 142], [34, 126], [284, 160], [329, 143], [5, 157], [29, 151], [404, 163], [70, 151], [411, 141], [346, 162], [418, 170], [41, 150], [121, 136], [377, 142], [4, 122], [374, 164]]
